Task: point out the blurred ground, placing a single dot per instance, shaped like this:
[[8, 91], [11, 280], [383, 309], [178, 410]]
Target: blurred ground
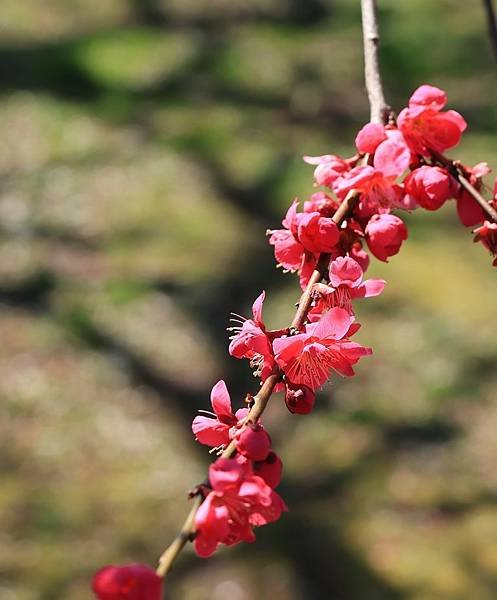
[[146, 147]]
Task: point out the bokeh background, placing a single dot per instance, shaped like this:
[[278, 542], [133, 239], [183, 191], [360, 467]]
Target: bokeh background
[[145, 147]]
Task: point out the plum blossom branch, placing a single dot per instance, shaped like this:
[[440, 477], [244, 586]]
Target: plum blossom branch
[[260, 400]]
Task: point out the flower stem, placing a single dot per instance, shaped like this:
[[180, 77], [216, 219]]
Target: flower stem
[[458, 173]]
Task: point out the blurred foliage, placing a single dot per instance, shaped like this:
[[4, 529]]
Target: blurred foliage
[[146, 147]]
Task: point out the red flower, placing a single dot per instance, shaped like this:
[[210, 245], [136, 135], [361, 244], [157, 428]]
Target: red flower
[[377, 184], [487, 235], [239, 500], [305, 236], [307, 358], [370, 137], [288, 251], [425, 127], [269, 469], [384, 235], [251, 340], [346, 284], [470, 213], [299, 399], [131, 582], [218, 429], [316, 233], [329, 167], [430, 186]]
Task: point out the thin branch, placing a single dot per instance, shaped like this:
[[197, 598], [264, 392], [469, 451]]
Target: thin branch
[[184, 536], [262, 398], [492, 25], [378, 105], [455, 168]]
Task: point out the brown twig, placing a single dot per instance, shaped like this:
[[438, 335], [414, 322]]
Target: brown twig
[[179, 542], [371, 39], [458, 172], [492, 25]]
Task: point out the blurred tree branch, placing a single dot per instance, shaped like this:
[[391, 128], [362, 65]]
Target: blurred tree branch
[[492, 25]]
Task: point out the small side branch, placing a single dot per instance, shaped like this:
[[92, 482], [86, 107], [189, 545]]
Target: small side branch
[[492, 25], [455, 168], [374, 87], [185, 535]]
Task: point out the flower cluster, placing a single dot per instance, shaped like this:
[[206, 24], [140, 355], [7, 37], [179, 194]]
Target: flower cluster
[[398, 166]]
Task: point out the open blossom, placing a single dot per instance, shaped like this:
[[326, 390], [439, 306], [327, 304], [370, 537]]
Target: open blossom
[[425, 127], [384, 235], [238, 502], [251, 340], [487, 235], [306, 234], [288, 251], [307, 358], [346, 284], [220, 428], [252, 440], [130, 582], [328, 168], [431, 186], [378, 183]]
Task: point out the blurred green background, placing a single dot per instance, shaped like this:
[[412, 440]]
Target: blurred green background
[[146, 145]]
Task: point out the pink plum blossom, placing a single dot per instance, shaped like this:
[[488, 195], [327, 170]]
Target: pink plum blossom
[[220, 428], [345, 284], [425, 127], [251, 340], [487, 235], [328, 168], [370, 137], [430, 186], [384, 235], [238, 502], [470, 213], [307, 358]]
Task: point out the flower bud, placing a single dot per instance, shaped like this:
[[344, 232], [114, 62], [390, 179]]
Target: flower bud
[[131, 582], [299, 399], [253, 442], [370, 137], [430, 187], [316, 233], [384, 235]]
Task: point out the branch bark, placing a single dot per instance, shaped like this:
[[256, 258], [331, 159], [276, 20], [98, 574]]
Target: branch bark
[[371, 39], [456, 170]]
